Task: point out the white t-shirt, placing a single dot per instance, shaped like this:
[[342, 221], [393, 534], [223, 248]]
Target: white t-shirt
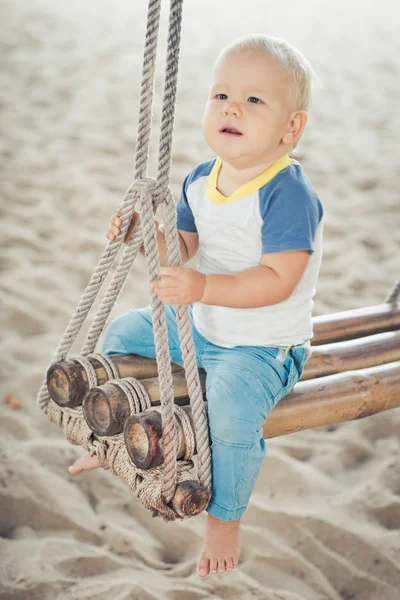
[[277, 211]]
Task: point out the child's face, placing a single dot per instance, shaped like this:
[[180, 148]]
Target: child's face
[[251, 94]]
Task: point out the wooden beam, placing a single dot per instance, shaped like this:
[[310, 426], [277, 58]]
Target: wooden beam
[[358, 322], [349, 355]]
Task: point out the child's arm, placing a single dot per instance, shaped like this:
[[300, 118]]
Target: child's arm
[[271, 282], [290, 220]]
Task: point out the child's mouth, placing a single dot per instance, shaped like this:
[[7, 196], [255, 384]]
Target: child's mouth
[[230, 131]]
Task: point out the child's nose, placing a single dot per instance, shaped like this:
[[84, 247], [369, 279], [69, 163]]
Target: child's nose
[[232, 108]]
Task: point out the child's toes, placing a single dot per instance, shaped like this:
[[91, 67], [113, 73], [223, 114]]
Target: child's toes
[[75, 468], [203, 568], [221, 566], [229, 564], [84, 463], [214, 565]]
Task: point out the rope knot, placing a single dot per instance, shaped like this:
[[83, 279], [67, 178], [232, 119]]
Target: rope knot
[[152, 187], [144, 185]]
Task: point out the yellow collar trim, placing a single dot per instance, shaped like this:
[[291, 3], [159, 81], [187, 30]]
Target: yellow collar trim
[[248, 188]]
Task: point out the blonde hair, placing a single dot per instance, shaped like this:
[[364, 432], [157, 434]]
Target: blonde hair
[[297, 67]]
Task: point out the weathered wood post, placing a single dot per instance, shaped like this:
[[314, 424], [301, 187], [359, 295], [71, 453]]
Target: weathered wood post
[[190, 498]]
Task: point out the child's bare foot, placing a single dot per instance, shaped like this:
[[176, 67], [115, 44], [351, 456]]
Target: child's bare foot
[[84, 463], [221, 548]]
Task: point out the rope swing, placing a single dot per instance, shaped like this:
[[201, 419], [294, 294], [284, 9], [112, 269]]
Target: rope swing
[[157, 488]]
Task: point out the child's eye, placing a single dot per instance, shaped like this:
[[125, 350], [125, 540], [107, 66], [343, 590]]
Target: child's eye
[[254, 100], [221, 96]]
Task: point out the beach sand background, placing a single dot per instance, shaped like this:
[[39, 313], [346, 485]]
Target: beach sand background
[[324, 520]]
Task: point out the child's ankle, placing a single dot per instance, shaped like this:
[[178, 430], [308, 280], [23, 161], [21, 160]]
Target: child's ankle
[[215, 520]]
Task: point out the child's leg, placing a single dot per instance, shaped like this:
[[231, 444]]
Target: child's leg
[[132, 333], [243, 386]]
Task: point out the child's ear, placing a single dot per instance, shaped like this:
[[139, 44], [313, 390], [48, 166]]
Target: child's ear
[[295, 128]]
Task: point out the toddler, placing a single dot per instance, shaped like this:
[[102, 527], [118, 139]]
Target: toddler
[[257, 223]]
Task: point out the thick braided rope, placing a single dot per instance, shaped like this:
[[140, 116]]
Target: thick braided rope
[[135, 392], [89, 370], [173, 252], [162, 347], [80, 315], [394, 294], [142, 150], [109, 366], [122, 271], [172, 243], [141, 163], [120, 275], [187, 432], [147, 90], [169, 96], [108, 257], [159, 324], [189, 356]]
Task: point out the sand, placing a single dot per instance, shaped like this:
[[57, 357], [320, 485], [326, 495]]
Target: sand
[[324, 520]]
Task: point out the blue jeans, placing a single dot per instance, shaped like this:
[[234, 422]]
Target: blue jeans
[[243, 385]]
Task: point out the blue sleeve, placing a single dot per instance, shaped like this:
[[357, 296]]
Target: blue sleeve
[[291, 215], [185, 218]]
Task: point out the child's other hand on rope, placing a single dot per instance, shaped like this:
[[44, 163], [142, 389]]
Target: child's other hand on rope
[[179, 285], [114, 228]]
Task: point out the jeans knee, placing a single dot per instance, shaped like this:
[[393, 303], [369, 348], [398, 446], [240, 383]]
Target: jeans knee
[[231, 431], [236, 409], [127, 334]]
